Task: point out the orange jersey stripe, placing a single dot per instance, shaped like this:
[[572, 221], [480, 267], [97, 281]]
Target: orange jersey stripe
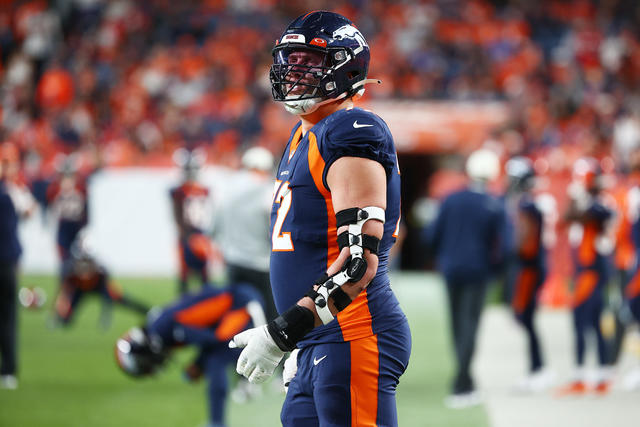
[[524, 289], [587, 250], [232, 323], [529, 246], [294, 143], [355, 320], [633, 287], [316, 167], [365, 371], [205, 313], [200, 245], [585, 284]]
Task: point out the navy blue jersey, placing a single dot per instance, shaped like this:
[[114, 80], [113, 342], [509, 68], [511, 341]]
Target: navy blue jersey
[[190, 201], [531, 222], [594, 221], [466, 236], [303, 222], [10, 248], [222, 311], [96, 276]]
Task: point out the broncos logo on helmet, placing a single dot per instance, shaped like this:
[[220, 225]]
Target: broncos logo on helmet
[[320, 57]]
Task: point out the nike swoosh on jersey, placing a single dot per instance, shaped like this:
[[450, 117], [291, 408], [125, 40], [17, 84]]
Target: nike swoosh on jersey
[[358, 126], [316, 361]]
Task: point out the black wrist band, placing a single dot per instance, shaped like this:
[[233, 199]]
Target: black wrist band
[[290, 327]]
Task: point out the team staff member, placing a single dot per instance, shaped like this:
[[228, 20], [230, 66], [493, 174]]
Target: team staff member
[[241, 225], [468, 250], [10, 251], [206, 320], [336, 211]]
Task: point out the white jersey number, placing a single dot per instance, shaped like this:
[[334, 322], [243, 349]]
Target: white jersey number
[[281, 241]]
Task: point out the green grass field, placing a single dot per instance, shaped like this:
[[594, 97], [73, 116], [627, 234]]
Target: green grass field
[[68, 377]]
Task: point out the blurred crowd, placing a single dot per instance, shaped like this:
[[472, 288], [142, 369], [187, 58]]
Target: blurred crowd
[[135, 80]]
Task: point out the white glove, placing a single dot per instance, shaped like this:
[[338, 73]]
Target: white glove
[[290, 368], [260, 356]]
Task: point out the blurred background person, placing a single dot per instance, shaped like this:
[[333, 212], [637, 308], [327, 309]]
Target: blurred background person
[[68, 197], [206, 320], [590, 235], [10, 251], [83, 275], [630, 289], [241, 225], [191, 207], [466, 240], [530, 269], [627, 200]]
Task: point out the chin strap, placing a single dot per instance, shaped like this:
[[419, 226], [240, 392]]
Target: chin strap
[[308, 106]]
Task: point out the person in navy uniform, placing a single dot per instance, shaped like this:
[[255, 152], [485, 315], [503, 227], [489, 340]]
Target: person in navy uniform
[[468, 250], [530, 266], [335, 216], [205, 320], [190, 204], [631, 289], [10, 251], [68, 196], [83, 275], [590, 236]]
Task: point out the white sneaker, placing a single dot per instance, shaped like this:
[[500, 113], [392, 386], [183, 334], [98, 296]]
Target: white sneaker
[[535, 382], [463, 400], [9, 382], [631, 381]]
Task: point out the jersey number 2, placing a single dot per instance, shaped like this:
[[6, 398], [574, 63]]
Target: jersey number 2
[[281, 241]]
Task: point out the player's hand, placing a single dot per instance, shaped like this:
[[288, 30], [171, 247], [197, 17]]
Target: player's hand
[[260, 356], [290, 368]]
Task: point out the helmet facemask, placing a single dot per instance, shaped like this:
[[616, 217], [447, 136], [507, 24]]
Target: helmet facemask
[[303, 76]]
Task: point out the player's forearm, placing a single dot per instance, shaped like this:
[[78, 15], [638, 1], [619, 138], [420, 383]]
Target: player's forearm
[[351, 289]]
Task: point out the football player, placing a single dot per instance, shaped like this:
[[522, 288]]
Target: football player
[[67, 195], [82, 274], [335, 216], [206, 320], [190, 201], [530, 268], [590, 236]]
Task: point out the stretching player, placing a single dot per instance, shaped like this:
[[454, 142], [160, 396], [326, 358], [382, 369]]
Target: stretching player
[[206, 320], [591, 246], [190, 202], [82, 275], [334, 219]]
